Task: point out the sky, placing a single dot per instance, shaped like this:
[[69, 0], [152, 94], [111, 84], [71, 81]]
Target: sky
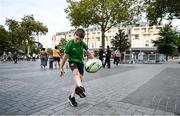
[[49, 12]]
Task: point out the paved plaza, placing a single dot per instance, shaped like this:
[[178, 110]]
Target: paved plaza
[[127, 89]]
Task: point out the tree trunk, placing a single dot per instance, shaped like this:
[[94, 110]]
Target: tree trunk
[[103, 38]]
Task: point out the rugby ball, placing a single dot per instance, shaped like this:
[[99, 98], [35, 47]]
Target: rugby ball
[[93, 65]]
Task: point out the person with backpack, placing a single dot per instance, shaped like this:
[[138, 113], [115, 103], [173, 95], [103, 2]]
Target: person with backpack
[[56, 57], [44, 58], [74, 52]]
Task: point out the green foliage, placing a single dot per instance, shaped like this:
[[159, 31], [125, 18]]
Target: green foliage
[[167, 43], [32, 27], [121, 41], [178, 43], [102, 13], [34, 48], [162, 9], [22, 34], [3, 40], [62, 44], [50, 51]]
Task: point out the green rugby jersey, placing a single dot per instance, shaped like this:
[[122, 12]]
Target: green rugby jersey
[[75, 51]]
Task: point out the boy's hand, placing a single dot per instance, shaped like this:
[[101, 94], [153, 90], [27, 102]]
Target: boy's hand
[[61, 72]]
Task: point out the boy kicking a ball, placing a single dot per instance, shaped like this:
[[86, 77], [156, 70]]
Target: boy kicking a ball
[[74, 52]]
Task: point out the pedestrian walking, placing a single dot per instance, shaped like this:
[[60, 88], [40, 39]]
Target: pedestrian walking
[[33, 57], [74, 52], [56, 56], [15, 57], [44, 58], [100, 54], [108, 57], [117, 56]]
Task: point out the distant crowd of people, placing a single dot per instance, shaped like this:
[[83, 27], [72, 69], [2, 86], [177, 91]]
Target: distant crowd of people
[[54, 58], [105, 56], [18, 56]]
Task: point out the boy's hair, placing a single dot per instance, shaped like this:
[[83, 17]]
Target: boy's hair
[[80, 32]]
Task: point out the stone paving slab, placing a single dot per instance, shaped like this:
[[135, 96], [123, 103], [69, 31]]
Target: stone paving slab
[[105, 95], [162, 92], [32, 91]]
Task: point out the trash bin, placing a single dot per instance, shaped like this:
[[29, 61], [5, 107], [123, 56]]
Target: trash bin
[[51, 63]]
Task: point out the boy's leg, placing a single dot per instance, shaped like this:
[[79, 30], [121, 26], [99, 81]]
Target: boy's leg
[[77, 77], [73, 90], [71, 98], [79, 90], [77, 70]]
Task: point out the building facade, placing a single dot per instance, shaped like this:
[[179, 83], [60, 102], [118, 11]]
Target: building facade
[[140, 37]]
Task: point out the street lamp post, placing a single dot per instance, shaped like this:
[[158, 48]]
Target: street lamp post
[[129, 37]]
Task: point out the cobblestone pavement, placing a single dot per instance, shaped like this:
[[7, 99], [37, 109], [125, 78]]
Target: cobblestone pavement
[[127, 89]]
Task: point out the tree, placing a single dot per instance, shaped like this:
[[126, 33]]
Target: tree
[[157, 10], [178, 43], [49, 51], [23, 34], [167, 42], [15, 35], [3, 40], [102, 13], [33, 29], [121, 41], [62, 44]]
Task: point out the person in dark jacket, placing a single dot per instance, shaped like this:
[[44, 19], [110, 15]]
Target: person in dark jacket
[[101, 52], [108, 57], [15, 57]]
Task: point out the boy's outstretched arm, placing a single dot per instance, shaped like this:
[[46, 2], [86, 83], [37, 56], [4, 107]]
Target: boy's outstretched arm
[[65, 56]]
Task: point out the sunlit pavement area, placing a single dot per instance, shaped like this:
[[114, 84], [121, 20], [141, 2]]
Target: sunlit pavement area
[[126, 89]]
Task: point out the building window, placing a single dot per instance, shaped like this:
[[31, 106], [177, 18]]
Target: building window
[[129, 32], [136, 36], [106, 38], [92, 45], [98, 38], [143, 29], [136, 29], [158, 28], [147, 43], [150, 29]]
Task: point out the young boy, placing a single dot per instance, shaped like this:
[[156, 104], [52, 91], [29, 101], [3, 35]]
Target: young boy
[[74, 52]]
